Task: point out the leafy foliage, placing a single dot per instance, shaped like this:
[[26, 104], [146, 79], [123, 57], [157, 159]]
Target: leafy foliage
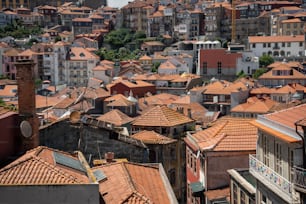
[[259, 72], [123, 45], [122, 54], [118, 38], [265, 60], [155, 66], [17, 30], [241, 74]]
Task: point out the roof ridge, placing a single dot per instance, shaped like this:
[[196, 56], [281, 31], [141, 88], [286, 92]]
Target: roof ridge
[[129, 178], [222, 126], [139, 195], [223, 135]]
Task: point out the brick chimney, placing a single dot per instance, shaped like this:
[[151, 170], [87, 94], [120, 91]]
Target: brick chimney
[[26, 105], [109, 156]]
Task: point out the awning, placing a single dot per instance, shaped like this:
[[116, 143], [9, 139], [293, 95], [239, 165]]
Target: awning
[[196, 187]]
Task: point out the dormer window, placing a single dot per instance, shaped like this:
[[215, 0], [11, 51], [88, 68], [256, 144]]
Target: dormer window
[[82, 54]]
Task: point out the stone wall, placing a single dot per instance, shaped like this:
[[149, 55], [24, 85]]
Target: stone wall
[[91, 141]]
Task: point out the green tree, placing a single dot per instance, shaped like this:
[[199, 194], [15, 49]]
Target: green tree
[[58, 38], [265, 60], [118, 38], [241, 74], [155, 66], [2, 103], [259, 72], [140, 35]]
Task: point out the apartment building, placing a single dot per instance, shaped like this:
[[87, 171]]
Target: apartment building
[[81, 25], [281, 74], [135, 15], [220, 95], [278, 46], [172, 124], [218, 63], [161, 22], [279, 149], [211, 152], [68, 14], [80, 64], [9, 57]]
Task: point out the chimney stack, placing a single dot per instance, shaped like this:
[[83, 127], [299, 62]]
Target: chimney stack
[[29, 123], [109, 156]]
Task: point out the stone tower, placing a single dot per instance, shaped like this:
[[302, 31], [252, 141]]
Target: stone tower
[[26, 105]]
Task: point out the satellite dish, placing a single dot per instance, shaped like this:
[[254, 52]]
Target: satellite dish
[[75, 116], [26, 129]]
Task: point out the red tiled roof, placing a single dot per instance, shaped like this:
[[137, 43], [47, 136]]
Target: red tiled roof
[[79, 53], [8, 91], [213, 56], [158, 99], [161, 116], [255, 105], [151, 137], [288, 116], [283, 38], [212, 195], [227, 134], [275, 133], [132, 183], [295, 74], [38, 166], [115, 117]]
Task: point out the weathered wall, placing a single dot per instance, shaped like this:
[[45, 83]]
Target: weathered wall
[[219, 163], [93, 142], [50, 194]]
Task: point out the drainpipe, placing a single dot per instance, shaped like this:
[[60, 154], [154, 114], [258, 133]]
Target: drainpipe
[[303, 140]]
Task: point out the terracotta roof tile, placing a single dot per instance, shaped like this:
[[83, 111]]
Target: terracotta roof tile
[[39, 166], [115, 117], [283, 38], [167, 65], [217, 194], [94, 93], [288, 116], [270, 75], [227, 134], [158, 99], [132, 183], [261, 90], [274, 132], [161, 116], [12, 52], [151, 137], [79, 53], [120, 103], [8, 91], [255, 105], [145, 57], [115, 97], [224, 87], [102, 67], [43, 101]]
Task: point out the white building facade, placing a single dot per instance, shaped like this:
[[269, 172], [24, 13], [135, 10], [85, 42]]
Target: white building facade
[[277, 46]]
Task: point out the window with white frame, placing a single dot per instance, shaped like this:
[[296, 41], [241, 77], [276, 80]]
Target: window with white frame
[[278, 158], [265, 148]]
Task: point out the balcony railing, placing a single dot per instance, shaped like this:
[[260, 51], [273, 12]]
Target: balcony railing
[[263, 173], [300, 177]]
